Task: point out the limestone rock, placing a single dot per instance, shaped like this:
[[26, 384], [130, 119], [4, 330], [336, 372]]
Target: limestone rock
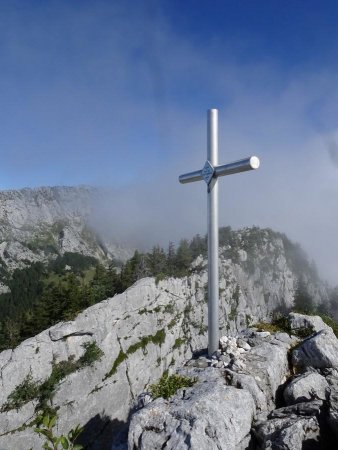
[[261, 371], [66, 329], [318, 351], [306, 387], [299, 321], [207, 416], [38, 224], [332, 379], [291, 428], [293, 433]]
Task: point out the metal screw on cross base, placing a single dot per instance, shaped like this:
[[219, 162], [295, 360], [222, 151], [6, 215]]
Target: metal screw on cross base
[[210, 174]]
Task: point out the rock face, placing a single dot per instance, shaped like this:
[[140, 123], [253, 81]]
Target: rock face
[[150, 328], [142, 332], [217, 412], [36, 224], [197, 418], [257, 376]]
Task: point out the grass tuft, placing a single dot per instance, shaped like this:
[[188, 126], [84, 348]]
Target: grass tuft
[[168, 386]]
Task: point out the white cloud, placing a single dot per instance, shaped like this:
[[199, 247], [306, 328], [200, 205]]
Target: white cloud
[[112, 95]]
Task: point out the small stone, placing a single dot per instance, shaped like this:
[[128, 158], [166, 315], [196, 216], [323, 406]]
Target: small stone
[[144, 399], [241, 343], [225, 358], [263, 334], [223, 342]]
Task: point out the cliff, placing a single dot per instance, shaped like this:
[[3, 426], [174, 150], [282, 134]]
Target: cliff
[[137, 335], [38, 224]]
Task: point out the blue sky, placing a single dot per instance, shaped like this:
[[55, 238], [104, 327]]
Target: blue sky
[[115, 93]]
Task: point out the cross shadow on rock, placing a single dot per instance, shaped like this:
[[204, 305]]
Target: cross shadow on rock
[[102, 433]]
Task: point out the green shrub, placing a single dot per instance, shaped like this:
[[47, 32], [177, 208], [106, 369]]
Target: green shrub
[[92, 354], [281, 324], [44, 392], [157, 339], [45, 425], [159, 277], [330, 322], [23, 393], [119, 360], [178, 343], [168, 386]]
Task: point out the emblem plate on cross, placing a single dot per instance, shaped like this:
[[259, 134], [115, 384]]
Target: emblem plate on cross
[[208, 172]]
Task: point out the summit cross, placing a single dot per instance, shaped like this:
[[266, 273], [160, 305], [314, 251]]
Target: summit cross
[[210, 174]]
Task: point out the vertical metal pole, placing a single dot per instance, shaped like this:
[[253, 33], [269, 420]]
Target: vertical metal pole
[[213, 281]]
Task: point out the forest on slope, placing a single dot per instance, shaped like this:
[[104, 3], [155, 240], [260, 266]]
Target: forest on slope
[[42, 295]]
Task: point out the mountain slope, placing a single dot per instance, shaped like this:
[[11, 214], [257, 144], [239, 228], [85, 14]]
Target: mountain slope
[[38, 224], [152, 327]]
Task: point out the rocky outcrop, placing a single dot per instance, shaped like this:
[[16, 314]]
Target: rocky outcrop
[[320, 351], [150, 328], [256, 366], [196, 418], [300, 321], [217, 413], [37, 224]]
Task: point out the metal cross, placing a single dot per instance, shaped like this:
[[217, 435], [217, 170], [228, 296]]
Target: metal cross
[[210, 173]]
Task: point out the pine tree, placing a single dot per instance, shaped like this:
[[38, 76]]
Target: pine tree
[[303, 302], [183, 258], [157, 261], [171, 259]]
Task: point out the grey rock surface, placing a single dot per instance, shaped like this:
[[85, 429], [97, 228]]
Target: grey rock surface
[[298, 321], [174, 307], [291, 428], [210, 415], [261, 371], [332, 379], [306, 387], [38, 224], [319, 351], [294, 433]]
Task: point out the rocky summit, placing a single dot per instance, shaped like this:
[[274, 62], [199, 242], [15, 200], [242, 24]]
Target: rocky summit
[[135, 337], [249, 396], [96, 368]]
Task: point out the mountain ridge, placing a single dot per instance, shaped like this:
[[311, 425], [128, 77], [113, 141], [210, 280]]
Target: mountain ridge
[[37, 224]]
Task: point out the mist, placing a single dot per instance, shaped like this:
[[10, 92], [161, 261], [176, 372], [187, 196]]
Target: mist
[[115, 96]]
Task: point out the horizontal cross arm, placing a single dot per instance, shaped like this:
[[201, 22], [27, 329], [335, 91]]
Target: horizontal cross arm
[[242, 165], [191, 176]]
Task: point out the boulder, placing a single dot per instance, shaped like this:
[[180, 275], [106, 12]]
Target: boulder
[[291, 428], [306, 387], [290, 433], [299, 321], [319, 351], [332, 379]]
